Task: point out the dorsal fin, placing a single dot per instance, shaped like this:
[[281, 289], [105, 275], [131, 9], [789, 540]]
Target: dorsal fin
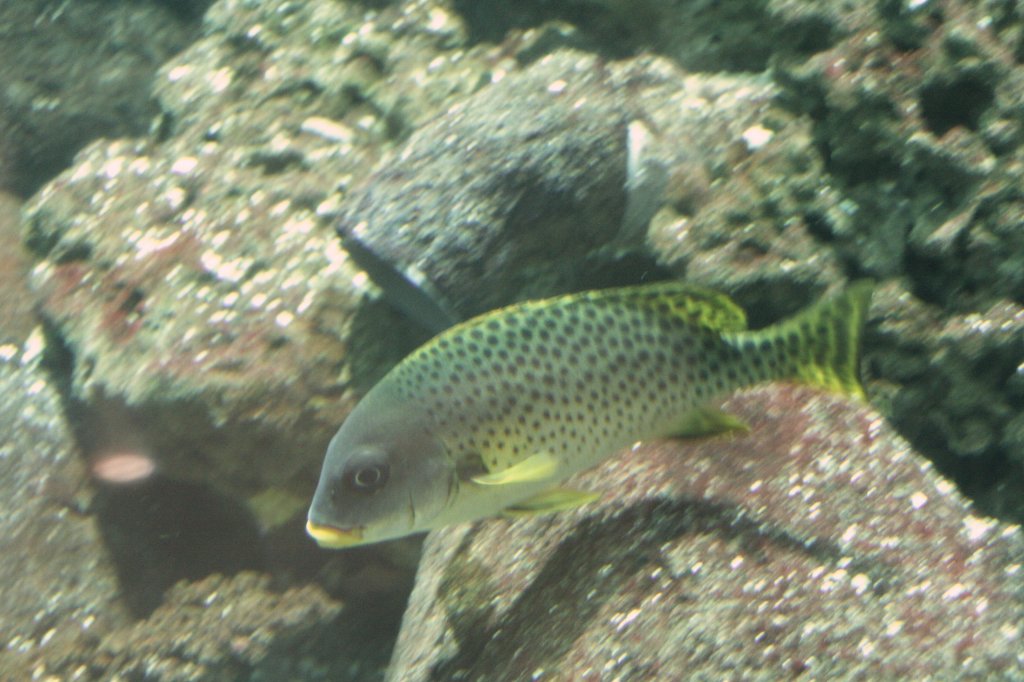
[[697, 305]]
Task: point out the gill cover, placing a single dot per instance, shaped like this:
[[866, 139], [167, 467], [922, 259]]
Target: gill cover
[[385, 475]]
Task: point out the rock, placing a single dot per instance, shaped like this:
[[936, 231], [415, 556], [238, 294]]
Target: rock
[[58, 587], [75, 72], [18, 318], [819, 544], [915, 118], [228, 629], [210, 312], [493, 205]]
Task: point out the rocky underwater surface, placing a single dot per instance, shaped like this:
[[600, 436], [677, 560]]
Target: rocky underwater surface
[[181, 332]]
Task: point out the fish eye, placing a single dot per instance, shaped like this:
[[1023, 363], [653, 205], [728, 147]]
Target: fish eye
[[368, 477]]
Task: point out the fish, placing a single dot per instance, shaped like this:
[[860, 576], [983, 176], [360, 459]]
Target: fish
[[409, 291], [491, 416]]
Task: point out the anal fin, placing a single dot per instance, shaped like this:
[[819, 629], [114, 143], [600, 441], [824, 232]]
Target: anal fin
[[707, 421], [554, 500]]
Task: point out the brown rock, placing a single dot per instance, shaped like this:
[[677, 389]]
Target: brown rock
[[16, 316]]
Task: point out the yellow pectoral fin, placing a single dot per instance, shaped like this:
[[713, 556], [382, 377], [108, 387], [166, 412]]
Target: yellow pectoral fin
[[707, 421], [556, 499], [532, 469]]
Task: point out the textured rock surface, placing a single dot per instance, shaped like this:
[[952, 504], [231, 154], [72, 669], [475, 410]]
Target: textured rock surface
[[57, 585], [918, 123], [226, 629], [16, 312], [76, 71], [819, 544], [521, 190]]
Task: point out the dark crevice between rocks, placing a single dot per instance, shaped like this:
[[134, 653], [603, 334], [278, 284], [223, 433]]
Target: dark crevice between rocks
[[591, 564], [907, 25], [156, 530], [380, 336], [190, 11], [160, 531], [731, 36], [622, 270], [960, 101], [935, 280], [978, 477]]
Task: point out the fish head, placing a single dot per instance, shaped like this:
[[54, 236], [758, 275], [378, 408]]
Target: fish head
[[384, 476]]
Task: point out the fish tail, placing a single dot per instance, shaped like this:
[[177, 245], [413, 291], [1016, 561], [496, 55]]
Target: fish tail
[[819, 346]]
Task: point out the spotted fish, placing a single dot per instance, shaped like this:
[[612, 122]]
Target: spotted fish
[[493, 414]]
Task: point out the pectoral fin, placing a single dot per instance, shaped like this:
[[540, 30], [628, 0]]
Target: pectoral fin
[[532, 469], [707, 421], [556, 499]]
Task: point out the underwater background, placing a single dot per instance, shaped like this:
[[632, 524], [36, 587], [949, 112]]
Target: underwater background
[[182, 331]]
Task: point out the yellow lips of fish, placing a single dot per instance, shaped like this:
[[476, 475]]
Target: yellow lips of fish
[[334, 538]]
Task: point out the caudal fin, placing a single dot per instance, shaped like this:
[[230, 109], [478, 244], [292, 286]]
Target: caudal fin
[[819, 346]]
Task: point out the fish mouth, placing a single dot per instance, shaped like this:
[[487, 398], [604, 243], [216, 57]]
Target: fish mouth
[[334, 538]]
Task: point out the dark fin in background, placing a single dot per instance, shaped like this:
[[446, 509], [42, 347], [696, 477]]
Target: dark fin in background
[[819, 346], [646, 180], [410, 293]]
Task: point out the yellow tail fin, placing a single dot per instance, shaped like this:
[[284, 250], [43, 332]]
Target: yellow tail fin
[[819, 346]]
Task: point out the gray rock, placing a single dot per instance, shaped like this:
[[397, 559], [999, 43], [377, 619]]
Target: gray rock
[[58, 588], [74, 72]]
